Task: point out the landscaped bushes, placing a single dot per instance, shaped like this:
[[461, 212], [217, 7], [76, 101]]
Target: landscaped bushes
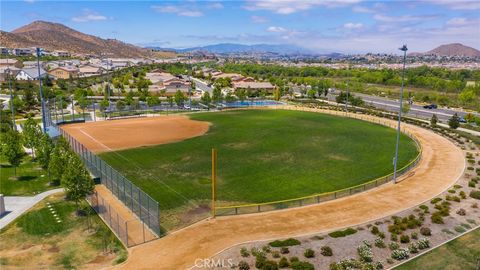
[[326, 251], [400, 254], [365, 253], [380, 243], [302, 266], [337, 234], [309, 253], [475, 194], [423, 243], [284, 243], [243, 265]]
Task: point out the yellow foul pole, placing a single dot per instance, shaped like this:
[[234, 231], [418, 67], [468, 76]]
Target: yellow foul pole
[[214, 178]]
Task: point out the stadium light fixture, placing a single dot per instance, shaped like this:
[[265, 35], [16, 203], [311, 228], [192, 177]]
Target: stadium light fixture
[[404, 49], [42, 101]]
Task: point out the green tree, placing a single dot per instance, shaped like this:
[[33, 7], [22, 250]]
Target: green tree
[[206, 98], [31, 135], [217, 96], [229, 97], [120, 105], [454, 121], [241, 94], [45, 148], [405, 108], [470, 117], [12, 148], [104, 104], [311, 94], [434, 120], [179, 98], [153, 101], [170, 101], [76, 180], [58, 159]]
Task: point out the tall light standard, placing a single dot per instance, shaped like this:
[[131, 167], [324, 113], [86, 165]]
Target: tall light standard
[[42, 101], [346, 101], [9, 73], [404, 49]]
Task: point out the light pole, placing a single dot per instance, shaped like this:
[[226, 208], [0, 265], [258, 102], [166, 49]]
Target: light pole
[[404, 49], [42, 101], [346, 101], [9, 74]]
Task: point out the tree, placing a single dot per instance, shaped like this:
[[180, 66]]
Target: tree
[[76, 180], [58, 159], [12, 148], [179, 97], [469, 117], [104, 104], [454, 121], [45, 148], [206, 98], [240, 93], [217, 96], [31, 135], [153, 101], [311, 94], [120, 105], [230, 98], [405, 108], [170, 101], [434, 120]]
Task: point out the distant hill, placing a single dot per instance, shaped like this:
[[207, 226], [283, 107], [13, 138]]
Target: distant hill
[[231, 48], [453, 49], [55, 36]]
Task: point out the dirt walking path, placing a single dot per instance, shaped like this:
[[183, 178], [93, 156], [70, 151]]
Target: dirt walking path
[[135, 132], [441, 165]]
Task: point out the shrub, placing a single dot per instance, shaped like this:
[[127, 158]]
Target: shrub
[[394, 237], [390, 261], [435, 200], [380, 243], [457, 186], [413, 248], [465, 225], [255, 252], [283, 263], [475, 194], [393, 246], [463, 195], [474, 205], [470, 168], [309, 253], [270, 265], [400, 254], [266, 249], [451, 191], [365, 253], [294, 259], [374, 230], [243, 265], [275, 254], [414, 235], [423, 243], [424, 208], [284, 250], [404, 239], [244, 252], [337, 234], [284, 243], [447, 231], [437, 218], [459, 229], [471, 184], [461, 212], [260, 261], [302, 266], [452, 198], [381, 235], [326, 251]]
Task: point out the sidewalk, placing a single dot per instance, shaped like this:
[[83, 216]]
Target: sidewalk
[[17, 205]]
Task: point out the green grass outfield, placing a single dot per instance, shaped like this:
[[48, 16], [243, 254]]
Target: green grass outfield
[[462, 253], [264, 155]]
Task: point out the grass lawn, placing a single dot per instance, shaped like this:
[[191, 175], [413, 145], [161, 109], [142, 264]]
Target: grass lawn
[[462, 253], [37, 241], [31, 178], [264, 155]]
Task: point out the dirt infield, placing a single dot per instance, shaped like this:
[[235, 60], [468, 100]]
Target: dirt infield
[[441, 165], [135, 132]]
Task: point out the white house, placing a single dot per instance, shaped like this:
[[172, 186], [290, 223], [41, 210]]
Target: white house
[[28, 74]]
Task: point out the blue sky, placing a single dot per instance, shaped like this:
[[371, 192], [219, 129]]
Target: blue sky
[[347, 26]]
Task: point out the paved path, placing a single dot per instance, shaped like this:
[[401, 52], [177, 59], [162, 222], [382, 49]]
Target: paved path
[[17, 205], [441, 165]]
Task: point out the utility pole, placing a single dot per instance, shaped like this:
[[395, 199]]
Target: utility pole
[[9, 74], [42, 101], [404, 49], [346, 101], [214, 178]]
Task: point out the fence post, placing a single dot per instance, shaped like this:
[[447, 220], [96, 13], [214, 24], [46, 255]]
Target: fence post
[[140, 205], [143, 226], [126, 232]]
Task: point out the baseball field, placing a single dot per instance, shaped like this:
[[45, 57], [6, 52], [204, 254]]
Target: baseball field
[[263, 155]]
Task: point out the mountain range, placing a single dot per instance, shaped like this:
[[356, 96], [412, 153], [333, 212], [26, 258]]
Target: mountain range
[[55, 36]]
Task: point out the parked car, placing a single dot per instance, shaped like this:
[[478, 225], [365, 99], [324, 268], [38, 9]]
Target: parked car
[[462, 120], [430, 106]]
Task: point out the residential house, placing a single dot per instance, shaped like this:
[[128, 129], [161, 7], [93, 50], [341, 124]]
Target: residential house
[[61, 53], [167, 83], [90, 70], [64, 72], [4, 51], [24, 51], [254, 86], [30, 74], [6, 71], [10, 63]]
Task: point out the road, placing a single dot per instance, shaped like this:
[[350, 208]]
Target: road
[[201, 85], [416, 111]]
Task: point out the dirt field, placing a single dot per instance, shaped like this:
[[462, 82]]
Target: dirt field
[[441, 165], [129, 133]]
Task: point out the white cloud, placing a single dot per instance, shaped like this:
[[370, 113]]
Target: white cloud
[[215, 5], [89, 16], [29, 1], [276, 29], [361, 9], [353, 25], [291, 6], [258, 19], [457, 4], [180, 11], [403, 18], [458, 22]]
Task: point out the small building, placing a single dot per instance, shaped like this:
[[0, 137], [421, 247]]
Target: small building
[[30, 74], [64, 72], [4, 51], [24, 51], [61, 53], [10, 63], [167, 83], [8, 71]]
